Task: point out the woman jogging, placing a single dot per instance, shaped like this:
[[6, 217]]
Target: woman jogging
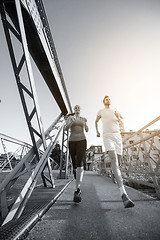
[[77, 147]]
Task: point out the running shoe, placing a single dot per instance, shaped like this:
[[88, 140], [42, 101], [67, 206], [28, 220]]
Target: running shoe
[[77, 196], [127, 201]]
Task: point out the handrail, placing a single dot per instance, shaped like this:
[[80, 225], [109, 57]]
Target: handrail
[[140, 130]]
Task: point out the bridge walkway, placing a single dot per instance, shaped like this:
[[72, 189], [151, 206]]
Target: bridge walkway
[[51, 213], [100, 215]]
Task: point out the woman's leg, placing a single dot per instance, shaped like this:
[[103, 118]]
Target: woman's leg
[[80, 153], [79, 177], [72, 152]]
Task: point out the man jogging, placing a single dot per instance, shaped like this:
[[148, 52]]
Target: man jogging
[[112, 121]]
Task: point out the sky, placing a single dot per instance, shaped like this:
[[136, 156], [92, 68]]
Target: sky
[[104, 48]]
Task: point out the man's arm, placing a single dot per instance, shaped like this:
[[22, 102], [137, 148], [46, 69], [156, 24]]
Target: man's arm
[[121, 121], [118, 115], [96, 125]]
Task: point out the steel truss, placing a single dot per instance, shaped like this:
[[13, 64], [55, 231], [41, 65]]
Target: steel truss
[[141, 158], [37, 158], [22, 149], [29, 165], [24, 90], [65, 162]]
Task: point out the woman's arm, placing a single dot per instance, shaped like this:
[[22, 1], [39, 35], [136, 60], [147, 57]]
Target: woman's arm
[[69, 122], [86, 126]]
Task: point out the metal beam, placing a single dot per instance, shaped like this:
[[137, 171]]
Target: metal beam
[[41, 48]]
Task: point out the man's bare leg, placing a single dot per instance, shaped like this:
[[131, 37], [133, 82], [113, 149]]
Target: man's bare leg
[[115, 168]]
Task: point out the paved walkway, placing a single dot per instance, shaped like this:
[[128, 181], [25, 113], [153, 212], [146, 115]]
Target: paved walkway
[[100, 215]]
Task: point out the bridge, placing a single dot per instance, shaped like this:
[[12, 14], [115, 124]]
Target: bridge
[[45, 192]]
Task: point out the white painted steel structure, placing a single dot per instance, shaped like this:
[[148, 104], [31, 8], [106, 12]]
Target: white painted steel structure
[[27, 22]]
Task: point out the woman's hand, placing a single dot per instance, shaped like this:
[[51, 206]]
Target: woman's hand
[[85, 124], [72, 118], [69, 122]]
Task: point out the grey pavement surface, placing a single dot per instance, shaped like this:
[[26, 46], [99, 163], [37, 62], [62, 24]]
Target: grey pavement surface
[[101, 214]]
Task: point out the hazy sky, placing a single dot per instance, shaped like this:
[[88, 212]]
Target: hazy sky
[[105, 47]]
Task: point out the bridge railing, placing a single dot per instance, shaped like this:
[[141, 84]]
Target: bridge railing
[[141, 157], [9, 160], [34, 169]]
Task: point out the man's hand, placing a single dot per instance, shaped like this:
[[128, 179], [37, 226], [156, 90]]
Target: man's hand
[[98, 134], [96, 125]]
